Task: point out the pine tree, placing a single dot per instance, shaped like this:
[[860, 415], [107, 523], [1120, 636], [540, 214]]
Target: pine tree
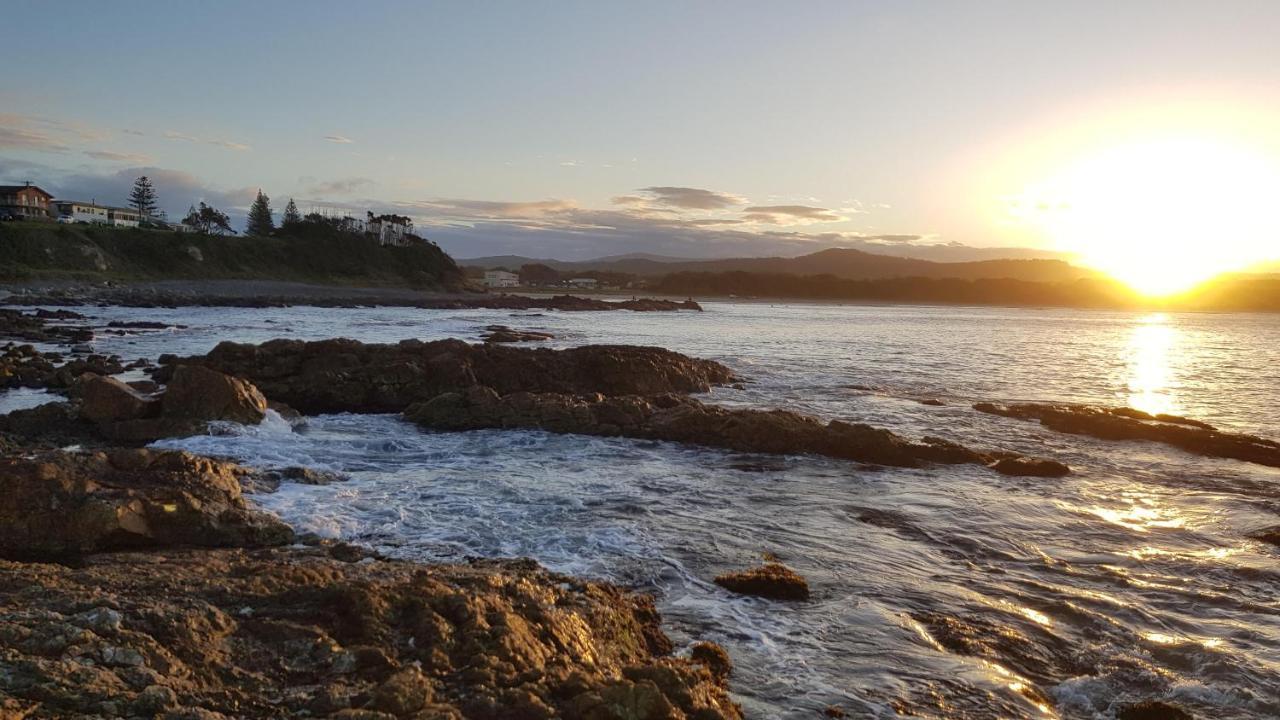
[[260, 222], [291, 214], [143, 197]]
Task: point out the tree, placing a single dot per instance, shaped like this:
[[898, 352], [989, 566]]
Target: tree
[[537, 275], [208, 220], [260, 222], [143, 197], [291, 214]]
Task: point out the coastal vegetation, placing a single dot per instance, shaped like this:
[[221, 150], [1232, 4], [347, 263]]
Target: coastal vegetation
[[302, 251]]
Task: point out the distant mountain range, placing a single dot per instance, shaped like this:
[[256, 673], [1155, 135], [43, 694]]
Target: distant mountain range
[[841, 262]]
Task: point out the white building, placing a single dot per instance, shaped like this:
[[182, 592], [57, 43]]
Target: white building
[[85, 212], [582, 282], [501, 279], [123, 217]]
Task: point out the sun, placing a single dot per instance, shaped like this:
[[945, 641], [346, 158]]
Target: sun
[[1163, 214]]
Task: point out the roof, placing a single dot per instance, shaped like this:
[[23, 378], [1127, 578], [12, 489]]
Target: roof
[[16, 188]]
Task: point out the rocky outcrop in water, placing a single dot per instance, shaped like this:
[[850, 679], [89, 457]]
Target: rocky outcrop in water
[[681, 419], [25, 366], [504, 334], [349, 376], [294, 633], [1104, 423], [35, 327], [58, 504], [772, 580]]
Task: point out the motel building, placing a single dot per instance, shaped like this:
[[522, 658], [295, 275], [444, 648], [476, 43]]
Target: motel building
[[90, 212]]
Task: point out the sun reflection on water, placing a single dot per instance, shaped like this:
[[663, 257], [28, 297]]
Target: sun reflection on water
[[1150, 379]]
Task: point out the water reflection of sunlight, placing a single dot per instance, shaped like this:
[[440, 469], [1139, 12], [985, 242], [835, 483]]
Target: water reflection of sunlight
[[1151, 345]]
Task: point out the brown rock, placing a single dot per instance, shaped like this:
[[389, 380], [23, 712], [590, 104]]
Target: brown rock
[[276, 633], [1030, 467], [772, 580], [198, 393], [63, 503], [348, 376], [1152, 710]]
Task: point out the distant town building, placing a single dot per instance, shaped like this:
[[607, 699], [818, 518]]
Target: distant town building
[[27, 201], [501, 279], [85, 212], [582, 282]]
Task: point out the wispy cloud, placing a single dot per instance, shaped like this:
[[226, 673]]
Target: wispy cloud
[[790, 215], [112, 156], [341, 139], [687, 198], [230, 145], [130, 131], [25, 132], [345, 186]]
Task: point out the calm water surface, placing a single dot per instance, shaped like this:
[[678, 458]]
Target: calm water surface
[[1132, 578]]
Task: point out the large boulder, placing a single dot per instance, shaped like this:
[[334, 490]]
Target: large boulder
[[293, 633], [106, 399], [682, 419], [59, 503], [348, 376], [198, 393]]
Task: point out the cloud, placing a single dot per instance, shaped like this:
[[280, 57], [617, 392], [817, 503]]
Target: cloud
[[128, 131], [341, 139], [790, 215], [345, 186], [175, 135], [686, 198], [18, 131], [111, 156]]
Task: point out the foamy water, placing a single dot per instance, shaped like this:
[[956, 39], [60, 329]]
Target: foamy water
[[1130, 579]]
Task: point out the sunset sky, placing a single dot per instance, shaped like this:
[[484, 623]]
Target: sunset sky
[[582, 129]]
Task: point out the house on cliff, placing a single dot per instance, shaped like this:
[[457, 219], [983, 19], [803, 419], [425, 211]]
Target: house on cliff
[[26, 201]]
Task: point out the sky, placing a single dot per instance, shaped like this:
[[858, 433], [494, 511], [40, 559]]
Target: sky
[[582, 129]]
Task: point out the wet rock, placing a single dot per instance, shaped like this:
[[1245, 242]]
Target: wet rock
[[1152, 710], [105, 399], [932, 402], [58, 504], [1104, 423], [772, 580], [198, 393], [292, 633], [682, 419], [1269, 535], [349, 376], [712, 657], [143, 325], [1030, 467], [504, 334]]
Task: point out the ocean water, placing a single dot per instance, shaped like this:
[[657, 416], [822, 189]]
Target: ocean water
[[947, 591]]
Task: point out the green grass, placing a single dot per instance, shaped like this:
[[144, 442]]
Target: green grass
[[307, 253]]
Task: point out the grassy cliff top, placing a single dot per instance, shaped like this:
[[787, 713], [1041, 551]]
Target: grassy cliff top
[[307, 252]]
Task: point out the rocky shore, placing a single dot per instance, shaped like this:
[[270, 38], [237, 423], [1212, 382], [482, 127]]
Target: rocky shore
[[228, 294]]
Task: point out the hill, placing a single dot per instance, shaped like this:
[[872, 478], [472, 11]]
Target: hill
[[309, 252], [843, 263]]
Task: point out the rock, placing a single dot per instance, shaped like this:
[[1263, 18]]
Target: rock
[[1152, 710], [1030, 467], [59, 504], [268, 481], [282, 633], [1269, 535], [772, 580], [713, 658], [681, 419], [504, 334], [198, 393], [348, 376], [932, 402], [105, 399], [1123, 423]]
